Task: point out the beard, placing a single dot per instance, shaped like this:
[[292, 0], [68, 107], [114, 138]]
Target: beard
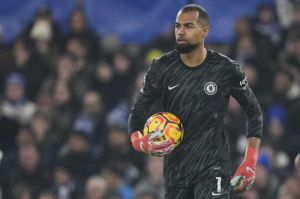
[[186, 48]]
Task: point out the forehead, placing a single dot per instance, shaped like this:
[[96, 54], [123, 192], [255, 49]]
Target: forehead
[[187, 17]]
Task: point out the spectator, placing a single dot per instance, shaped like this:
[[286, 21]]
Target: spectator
[[91, 119], [63, 110], [15, 104], [96, 188], [78, 27], [119, 151], [65, 186], [44, 26], [102, 82], [124, 73], [28, 63], [64, 72], [76, 47], [293, 59], [293, 30], [152, 181], [47, 141], [266, 23], [26, 169], [114, 178], [78, 158]]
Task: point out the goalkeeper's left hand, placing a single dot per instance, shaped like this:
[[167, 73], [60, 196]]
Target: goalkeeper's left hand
[[244, 177]]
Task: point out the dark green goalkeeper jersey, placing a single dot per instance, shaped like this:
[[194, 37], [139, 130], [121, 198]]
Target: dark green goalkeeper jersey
[[199, 96]]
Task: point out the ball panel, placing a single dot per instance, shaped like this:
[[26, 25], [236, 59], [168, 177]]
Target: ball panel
[[172, 131], [166, 122], [171, 117], [155, 123]]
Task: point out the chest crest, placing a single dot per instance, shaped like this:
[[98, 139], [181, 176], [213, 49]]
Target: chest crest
[[210, 88]]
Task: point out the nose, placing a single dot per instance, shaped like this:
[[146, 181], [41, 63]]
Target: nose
[[180, 31]]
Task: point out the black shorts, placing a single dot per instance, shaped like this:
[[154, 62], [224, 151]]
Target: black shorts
[[216, 187]]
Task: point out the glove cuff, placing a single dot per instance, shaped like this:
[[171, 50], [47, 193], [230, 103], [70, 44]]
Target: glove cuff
[[251, 155]]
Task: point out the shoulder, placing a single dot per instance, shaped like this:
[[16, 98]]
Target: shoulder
[[227, 61], [228, 64], [161, 63], [166, 58]]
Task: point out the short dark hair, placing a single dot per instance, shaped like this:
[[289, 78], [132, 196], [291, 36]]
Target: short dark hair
[[203, 16]]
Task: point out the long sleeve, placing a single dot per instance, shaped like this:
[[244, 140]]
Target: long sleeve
[[244, 95], [145, 99]]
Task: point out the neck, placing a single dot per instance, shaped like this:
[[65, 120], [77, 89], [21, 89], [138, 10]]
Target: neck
[[194, 58]]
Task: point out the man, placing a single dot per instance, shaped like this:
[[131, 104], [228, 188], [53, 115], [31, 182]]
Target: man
[[297, 162], [195, 84]]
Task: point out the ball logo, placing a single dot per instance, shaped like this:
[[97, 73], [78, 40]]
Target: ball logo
[[210, 88]]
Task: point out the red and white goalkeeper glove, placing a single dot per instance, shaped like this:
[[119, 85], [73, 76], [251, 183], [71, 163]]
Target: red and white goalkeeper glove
[[244, 177], [146, 144]]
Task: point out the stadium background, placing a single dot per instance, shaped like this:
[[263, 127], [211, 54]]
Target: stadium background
[[69, 71]]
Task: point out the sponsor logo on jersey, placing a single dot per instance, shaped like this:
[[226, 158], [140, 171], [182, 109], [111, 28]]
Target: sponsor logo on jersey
[[172, 87], [210, 88], [244, 83]]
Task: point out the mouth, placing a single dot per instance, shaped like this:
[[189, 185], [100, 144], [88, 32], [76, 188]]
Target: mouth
[[182, 41]]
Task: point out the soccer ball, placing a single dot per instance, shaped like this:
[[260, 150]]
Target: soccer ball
[[168, 124]]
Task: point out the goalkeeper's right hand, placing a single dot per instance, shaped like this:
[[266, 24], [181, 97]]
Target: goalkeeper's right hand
[[146, 144]]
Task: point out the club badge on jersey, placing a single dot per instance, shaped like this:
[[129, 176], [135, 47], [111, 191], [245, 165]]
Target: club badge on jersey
[[210, 88]]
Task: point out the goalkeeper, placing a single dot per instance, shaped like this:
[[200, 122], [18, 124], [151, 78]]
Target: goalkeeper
[[195, 84]]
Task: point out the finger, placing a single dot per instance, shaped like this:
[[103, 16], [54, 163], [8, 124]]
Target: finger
[[164, 143], [242, 183], [235, 180], [161, 145], [171, 148], [161, 152], [237, 183], [159, 149], [250, 185], [155, 134], [168, 149], [165, 151], [140, 135]]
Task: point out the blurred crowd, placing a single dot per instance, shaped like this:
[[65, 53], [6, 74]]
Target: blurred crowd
[[65, 99]]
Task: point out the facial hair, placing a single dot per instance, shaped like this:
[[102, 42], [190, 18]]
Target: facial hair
[[186, 48]]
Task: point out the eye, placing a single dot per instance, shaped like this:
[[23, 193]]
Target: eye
[[177, 26], [189, 26]]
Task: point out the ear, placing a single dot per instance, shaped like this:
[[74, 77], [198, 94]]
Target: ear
[[206, 30]]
